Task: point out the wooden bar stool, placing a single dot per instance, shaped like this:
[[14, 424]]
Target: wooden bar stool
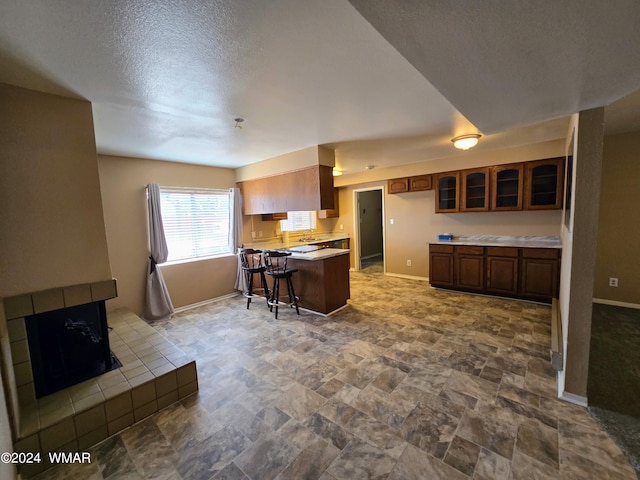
[[253, 263], [276, 263]]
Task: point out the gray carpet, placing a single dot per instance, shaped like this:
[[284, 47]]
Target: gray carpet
[[614, 376], [624, 430]]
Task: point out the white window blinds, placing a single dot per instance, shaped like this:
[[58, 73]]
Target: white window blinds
[[196, 222], [298, 221]]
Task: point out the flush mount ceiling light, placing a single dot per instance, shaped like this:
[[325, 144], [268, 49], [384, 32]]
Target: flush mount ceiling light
[[370, 167], [238, 121], [465, 142], [336, 172]]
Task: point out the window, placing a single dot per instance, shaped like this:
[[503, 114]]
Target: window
[[196, 222], [298, 221]]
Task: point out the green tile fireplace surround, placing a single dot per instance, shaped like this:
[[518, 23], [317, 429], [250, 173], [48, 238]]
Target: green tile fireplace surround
[[154, 374]]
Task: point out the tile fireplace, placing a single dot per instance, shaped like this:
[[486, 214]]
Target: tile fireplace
[[152, 374]]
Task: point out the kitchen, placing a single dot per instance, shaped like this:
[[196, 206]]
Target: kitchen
[[68, 218]]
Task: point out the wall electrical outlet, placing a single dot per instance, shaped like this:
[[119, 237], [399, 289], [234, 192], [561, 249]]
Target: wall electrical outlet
[[408, 263], [260, 234], [341, 227], [391, 221], [613, 281], [253, 234]]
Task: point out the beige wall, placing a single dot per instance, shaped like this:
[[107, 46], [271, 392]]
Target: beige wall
[[578, 265], [618, 254], [51, 216], [415, 222], [125, 214], [308, 157], [51, 225]]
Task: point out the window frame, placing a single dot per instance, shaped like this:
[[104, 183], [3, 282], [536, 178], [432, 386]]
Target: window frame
[[312, 216], [200, 234]]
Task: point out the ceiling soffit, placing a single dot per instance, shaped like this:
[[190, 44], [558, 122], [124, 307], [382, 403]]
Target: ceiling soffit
[[508, 64]]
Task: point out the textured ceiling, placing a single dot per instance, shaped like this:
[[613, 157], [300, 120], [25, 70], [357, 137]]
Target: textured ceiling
[[510, 64], [167, 78]]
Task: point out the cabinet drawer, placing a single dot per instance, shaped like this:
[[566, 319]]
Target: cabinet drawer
[[502, 252], [467, 250], [440, 248], [547, 253]]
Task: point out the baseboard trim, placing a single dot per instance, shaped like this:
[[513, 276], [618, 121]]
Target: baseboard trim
[[409, 277], [616, 303], [205, 302], [573, 398]]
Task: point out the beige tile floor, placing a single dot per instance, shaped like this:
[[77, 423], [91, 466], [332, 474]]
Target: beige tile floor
[[405, 383]]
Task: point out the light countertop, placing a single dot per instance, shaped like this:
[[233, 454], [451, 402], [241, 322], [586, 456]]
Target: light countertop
[[277, 244], [531, 241], [321, 254]]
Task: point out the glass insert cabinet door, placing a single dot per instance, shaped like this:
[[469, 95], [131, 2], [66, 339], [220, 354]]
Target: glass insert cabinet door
[[475, 190], [544, 184], [447, 192], [507, 187]]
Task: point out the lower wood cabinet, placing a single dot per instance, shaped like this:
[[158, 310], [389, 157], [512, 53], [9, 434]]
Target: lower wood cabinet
[[540, 273], [469, 267], [527, 273], [502, 270], [441, 265]]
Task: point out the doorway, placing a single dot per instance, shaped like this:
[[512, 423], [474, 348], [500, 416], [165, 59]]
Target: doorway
[[369, 228]]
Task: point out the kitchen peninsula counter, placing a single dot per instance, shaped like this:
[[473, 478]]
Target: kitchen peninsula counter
[[322, 280]]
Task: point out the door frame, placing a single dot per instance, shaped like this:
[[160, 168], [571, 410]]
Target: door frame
[[356, 227]]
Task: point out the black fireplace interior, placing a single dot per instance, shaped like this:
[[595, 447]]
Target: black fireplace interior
[[69, 346]]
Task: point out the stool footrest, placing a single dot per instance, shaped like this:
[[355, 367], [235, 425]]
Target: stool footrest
[[280, 303], [253, 294]]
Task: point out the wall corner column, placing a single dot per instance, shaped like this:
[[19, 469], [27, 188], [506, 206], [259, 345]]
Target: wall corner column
[[583, 238]]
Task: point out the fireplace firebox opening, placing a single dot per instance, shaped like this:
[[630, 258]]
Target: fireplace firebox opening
[[68, 346]]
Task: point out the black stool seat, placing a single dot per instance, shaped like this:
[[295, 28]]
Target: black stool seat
[[276, 263], [253, 263]]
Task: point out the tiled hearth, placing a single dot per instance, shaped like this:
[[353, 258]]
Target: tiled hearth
[[154, 375]]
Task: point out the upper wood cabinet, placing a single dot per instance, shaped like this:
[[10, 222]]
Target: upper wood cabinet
[[420, 183], [535, 185], [507, 183], [306, 189], [543, 184], [331, 212], [398, 185], [274, 216], [475, 190], [447, 192], [417, 183]]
